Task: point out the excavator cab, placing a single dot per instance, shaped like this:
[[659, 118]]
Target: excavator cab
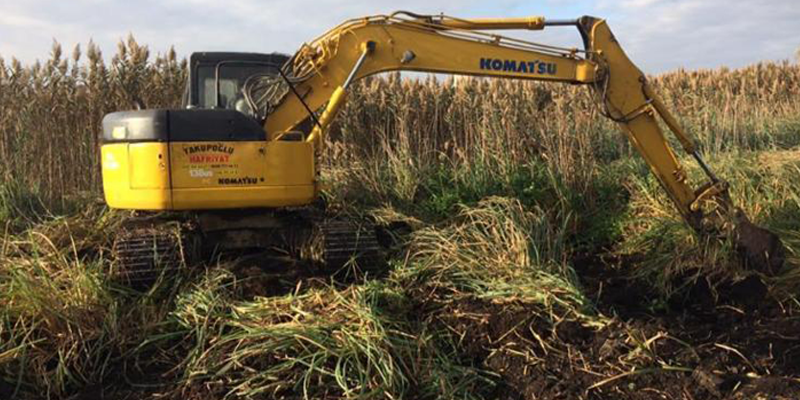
[[210, 154], [216, 79], [240, 140]]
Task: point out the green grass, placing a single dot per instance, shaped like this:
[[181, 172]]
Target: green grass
[[670, 257], [506, 186], [66, 326]]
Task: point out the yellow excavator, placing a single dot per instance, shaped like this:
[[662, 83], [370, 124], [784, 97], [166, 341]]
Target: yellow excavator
[[242, 153]]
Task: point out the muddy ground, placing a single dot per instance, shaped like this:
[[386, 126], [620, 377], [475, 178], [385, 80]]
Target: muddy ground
[[736, 344]]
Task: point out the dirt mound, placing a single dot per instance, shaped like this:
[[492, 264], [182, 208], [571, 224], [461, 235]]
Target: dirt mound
[[699, 348]]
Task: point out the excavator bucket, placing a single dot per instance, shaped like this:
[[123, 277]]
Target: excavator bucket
[[761, 249]]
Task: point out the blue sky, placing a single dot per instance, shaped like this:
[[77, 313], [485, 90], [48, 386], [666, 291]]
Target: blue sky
[[659, 35]]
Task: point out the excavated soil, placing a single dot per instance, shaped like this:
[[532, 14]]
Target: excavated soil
[[732, 343], [738, 344]]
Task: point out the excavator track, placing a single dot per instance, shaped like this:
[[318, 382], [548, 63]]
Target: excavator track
[[347, 243], [147, 248], [142, 254]]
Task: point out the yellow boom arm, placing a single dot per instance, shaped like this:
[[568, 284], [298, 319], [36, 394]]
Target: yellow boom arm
[[321, 71]]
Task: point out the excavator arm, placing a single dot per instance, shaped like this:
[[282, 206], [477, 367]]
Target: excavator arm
[[320, 72]]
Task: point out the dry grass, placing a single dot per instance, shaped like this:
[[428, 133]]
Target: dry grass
[[51, 114], [507, 185]]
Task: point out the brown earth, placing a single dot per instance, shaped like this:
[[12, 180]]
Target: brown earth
[[740, 345], [732, 343]]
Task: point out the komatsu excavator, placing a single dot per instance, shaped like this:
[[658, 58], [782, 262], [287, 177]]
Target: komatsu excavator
[[242, 154]]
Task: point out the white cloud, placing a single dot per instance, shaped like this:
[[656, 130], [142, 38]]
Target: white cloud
[[21, 21], [637, 3], [708, 33], [191, 25], [658, 34]]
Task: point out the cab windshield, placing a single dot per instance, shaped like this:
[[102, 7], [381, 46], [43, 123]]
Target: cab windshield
[[232, 77]]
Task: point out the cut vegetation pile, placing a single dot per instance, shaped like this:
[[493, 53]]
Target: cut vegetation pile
[[534, 257]]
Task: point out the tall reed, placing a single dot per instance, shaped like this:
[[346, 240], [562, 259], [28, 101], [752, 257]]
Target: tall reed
[[50, 112], [50, 115]]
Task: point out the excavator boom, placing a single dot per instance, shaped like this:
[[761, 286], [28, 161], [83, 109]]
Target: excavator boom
[[254, 126], [320, 72]]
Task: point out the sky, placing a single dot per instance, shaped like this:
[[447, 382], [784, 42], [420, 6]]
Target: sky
[[658, 35]]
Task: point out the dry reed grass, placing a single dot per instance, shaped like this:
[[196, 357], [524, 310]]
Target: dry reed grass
[[50, 115], [512, 174]]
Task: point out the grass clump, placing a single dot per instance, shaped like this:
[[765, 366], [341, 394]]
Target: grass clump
[[661, 250], [324, 342], [56, 308], [65, 323], [501, 250]]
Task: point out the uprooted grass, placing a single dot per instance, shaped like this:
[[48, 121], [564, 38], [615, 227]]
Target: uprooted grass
[[357, 342], [374, 340], [504, 186], [662, 251], [499, 249], [53, 310], [68, 326], [64, 322], [484, 303]]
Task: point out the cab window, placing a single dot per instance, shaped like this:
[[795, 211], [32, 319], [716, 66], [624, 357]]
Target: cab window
[[231, 81]]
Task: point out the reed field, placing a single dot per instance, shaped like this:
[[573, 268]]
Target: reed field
[[536, 257]]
